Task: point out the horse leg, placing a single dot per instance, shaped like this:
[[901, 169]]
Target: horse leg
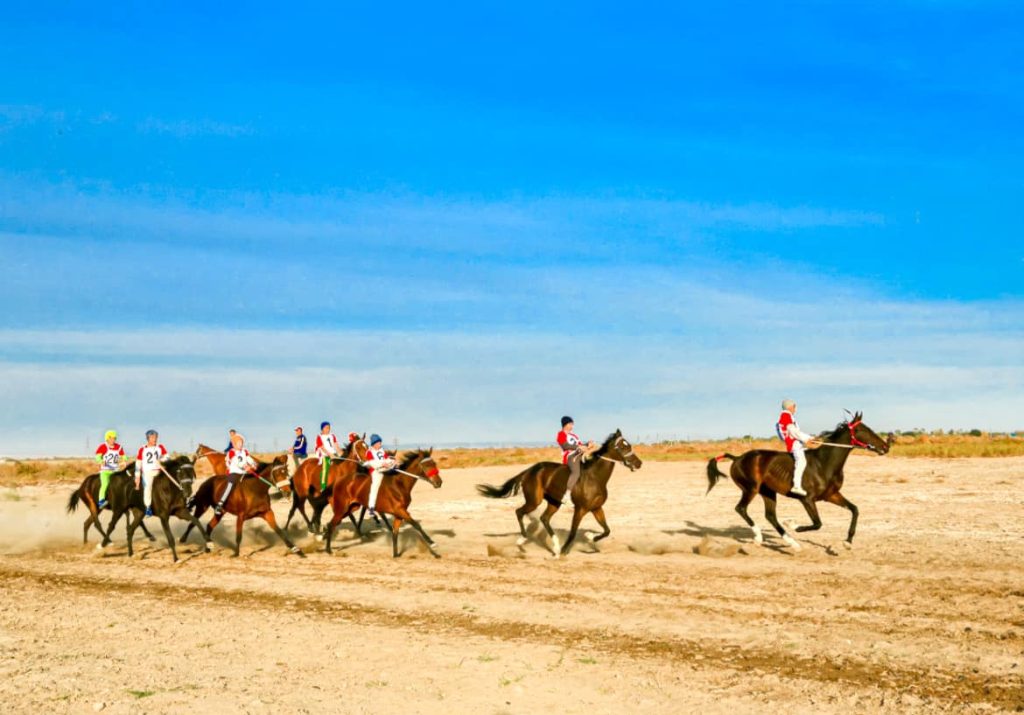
[[577, 516], [211, 525], [239, 522], [114, 516], [545, 519], [336, 518], [426, 537], [769, 512], [147, 532], [395, 526], [166, 523], [193, 521], [357, 525], [532, 501], [132, 525], [741, 509], [812, 511], [268, 516], [839, 500], [599, 515]]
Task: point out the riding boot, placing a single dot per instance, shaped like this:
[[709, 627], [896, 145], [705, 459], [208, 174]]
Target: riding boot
[[219, 509]]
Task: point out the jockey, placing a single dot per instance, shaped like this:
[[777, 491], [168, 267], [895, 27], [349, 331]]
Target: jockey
[[377, 464], [231, 440], [298, 448], [789, 431], [110, 456], [573, 451], [147, 466], [326, 447], [240, 463]]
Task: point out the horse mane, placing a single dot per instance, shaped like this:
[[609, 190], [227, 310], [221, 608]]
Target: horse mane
[[844, 425], [606, 445], [409, 457]]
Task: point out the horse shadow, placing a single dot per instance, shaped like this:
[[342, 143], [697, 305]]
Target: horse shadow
[[736, 533]]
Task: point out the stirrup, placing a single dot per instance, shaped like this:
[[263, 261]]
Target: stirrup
[[102, 504], [218, 509]]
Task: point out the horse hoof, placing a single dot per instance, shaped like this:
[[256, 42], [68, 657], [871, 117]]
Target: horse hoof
[[589, 537], [100, 547], [791, 542], [319, 537], [848, 545], [151, 538], [521, 541]]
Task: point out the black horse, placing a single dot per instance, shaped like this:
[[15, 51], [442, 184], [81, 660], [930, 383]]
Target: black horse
[[88, 493], [770, 472], [170, 495], [547, 481]]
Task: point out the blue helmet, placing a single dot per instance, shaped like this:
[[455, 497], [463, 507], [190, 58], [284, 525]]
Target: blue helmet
[[375, 439], [150, 432], [324, 424]]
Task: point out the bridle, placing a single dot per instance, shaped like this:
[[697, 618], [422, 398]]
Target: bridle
[[625, 455]]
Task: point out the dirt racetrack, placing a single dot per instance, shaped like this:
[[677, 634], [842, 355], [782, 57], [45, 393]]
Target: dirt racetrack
[[925, 614]]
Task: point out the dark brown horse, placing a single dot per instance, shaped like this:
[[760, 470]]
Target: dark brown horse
[[393, 497], [88, 493], [250, 499], [217, 459], [547, 481], [770, 473], [172, 488], [306, 483]]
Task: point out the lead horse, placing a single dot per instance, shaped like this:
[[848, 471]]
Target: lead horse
[[770, 472], [547, 481]]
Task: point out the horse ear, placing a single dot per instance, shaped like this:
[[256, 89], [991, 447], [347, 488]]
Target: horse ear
[[858, 417], [431, 450]]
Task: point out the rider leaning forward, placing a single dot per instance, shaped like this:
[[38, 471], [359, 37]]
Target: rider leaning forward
[[240, 463], [110, 456], [377, 463]]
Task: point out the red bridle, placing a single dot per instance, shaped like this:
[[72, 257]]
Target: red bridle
[[853, 439]]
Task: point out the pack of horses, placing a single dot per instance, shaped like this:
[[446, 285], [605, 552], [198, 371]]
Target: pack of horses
[[346, 487]]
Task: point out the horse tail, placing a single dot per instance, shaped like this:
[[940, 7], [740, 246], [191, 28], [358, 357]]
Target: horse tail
[[714, 474], [76, 496], [509, 488]]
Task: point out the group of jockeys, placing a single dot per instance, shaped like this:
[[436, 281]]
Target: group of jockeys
[[111, 457]]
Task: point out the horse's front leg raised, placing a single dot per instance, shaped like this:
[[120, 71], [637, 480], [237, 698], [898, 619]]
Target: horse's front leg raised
[[812, 511], [577, 516]]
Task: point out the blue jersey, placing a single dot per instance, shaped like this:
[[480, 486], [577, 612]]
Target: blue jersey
[[299, 448]]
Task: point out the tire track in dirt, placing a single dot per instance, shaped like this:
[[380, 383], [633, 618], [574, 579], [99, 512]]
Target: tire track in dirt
[[968, 688]]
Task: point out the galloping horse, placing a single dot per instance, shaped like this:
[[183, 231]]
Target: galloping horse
[[169, 498], [770, 472], [306, 483], [393, 498], [88, 493], [249, 499], [217, 459], [547, 481]]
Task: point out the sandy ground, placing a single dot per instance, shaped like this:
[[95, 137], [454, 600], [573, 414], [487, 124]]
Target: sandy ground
[[925, 614]]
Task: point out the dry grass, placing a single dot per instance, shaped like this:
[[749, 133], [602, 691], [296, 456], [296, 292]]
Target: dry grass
[[942, 446]]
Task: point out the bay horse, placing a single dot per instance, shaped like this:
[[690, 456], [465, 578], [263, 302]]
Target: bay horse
[[770, 472], [249, 499], [88, 493], [217, 459], [547, 481], [306, 483], [393, 498], [169, 498]]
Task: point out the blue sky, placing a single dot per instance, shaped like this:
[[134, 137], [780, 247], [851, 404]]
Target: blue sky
[[457, 224]]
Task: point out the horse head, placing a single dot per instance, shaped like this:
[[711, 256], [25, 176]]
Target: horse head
[[421, 463], [182, 469], [863, 436], [621, 449], [277, 473]]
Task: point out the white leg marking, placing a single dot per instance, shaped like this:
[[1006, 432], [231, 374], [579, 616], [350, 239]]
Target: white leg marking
[[758, 537], [521, 541], [790, 541]]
